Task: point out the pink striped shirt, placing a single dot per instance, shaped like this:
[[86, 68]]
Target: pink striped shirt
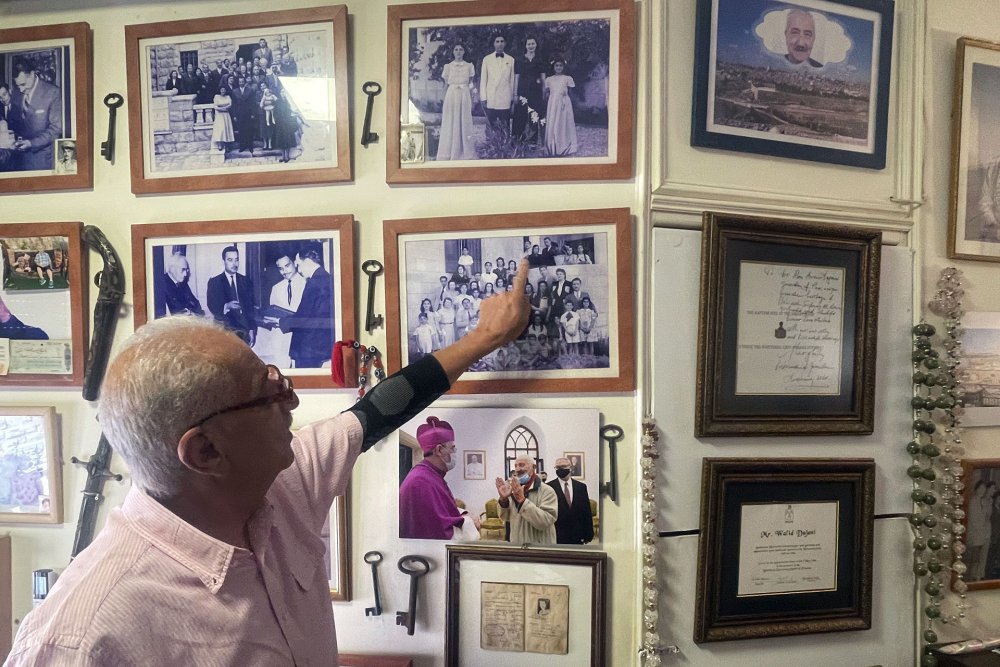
[[153, 590]]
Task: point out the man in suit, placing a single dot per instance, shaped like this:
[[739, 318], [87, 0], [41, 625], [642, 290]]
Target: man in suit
[[286, 294], [230, 298], [574, 523], [312, 324], [560, 290], [179, 298], [244, 113], [215, 78], [189, 82], [264, 53], [6, 102], [39, 106], [496, 85]]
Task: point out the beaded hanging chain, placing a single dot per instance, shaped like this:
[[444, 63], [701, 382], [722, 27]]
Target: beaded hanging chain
[[370, 357], [936, 467], [650, 649]]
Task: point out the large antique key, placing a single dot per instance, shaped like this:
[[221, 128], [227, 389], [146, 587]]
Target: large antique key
[[373, 268], [612, 433], [373, 558], [371, 89], [409, 617], [112, 101]]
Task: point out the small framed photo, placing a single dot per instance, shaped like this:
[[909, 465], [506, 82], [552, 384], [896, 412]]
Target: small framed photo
[[411, 144], [804, 79], [31, 476], [336, 538], [980, 354], [982, 506], [579, 338], [974, 223], [787, 332], [815, 516], [43, 306], [475, 464], [46, 106], [246, 101], [526, 614], [577, 468], [530, 91], [285, 286]]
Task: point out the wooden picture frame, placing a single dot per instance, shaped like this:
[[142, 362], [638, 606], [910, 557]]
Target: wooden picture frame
[[822, 510], [974, 218], [979, 501], [339, 548], [805, 79], [30, 436], [817, 375], [44, 293], [586, 140], [419, 252], [175, 138], [56, 126], [582, 573], [197, 248]]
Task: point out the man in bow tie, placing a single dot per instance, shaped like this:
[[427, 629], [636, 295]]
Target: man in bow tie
[[496, 85]]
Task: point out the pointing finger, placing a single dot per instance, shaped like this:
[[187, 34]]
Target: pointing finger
[[521, 279]]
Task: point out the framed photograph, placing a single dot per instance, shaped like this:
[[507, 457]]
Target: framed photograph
[[548, 607], [577, 469], [974, 224], [336, 538], [980, 355], [43, 305], [438, 271], [506, 434], [31, 473], [801, 532], [246, 101], [787, 331], [46, 108], [530, 91], [981, 503], [803, 79], [283, 285]]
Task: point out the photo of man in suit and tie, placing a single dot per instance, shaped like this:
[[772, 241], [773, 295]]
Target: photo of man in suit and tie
[[39, 113], [231, 298], [575, 522]]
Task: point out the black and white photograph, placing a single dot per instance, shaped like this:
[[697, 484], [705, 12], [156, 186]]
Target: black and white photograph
[[411, 144], [514, 448], [982, 523], [808, 78]]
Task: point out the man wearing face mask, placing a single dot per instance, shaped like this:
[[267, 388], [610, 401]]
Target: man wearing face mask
[[528, 504], [427, 508], [575, 524]]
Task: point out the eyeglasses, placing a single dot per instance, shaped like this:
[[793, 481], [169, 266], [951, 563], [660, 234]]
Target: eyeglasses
[[285, 393]]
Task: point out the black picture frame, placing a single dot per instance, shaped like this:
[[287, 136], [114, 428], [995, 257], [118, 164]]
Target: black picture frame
[[731, 484], [783, 398], [766, 96]]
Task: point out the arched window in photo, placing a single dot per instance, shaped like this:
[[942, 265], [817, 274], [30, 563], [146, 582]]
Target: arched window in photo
[[520, 440]]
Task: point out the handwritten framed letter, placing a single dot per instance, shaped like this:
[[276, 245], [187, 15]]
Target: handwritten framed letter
[[801, 531], [788, 328]]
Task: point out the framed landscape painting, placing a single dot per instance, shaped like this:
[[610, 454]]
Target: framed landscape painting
[[804, 79], [252, 100]]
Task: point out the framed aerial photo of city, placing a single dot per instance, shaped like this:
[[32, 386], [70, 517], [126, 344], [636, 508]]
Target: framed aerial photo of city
[[787, 329], [284, 286], [524, 90], [579, 282], [45, 108], [251, 100], [980, 366], [803, 79]]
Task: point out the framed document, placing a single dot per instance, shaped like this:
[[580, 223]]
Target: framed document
[[547, 604], [787, 328], [801, 532]]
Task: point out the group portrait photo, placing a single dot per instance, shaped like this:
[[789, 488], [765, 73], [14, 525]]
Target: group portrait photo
[[982, 523]]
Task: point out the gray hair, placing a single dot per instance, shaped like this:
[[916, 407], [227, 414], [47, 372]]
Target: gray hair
[[168, 375], [175, 261], [525, 457]]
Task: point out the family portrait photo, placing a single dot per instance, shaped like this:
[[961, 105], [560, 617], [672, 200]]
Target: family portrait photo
[[807, 74], [501, 453], [28, 465], [982, 523]]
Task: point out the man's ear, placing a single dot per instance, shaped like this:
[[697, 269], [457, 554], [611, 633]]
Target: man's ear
[[199, 454]]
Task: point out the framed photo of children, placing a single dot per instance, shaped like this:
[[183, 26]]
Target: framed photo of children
[[532, 91], [242, 101], [45, 108], [285, 286], [803, 79], [982, 523], [43, 305], [439, 271], [31, 478]]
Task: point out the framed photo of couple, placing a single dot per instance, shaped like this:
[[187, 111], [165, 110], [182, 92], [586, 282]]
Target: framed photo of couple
[[535, 91], [579, 283], [285, 286], [246, 101]]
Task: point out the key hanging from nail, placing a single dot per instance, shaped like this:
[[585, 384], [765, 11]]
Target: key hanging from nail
[[372, 268], [373, 558], [409, 617], [371, 89], [112, 101]]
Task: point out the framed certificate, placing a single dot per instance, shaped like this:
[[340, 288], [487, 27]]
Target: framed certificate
[[787, 328], [801, 532]]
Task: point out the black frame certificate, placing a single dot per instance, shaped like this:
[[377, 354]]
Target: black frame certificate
[[800, 534], [788, 328]]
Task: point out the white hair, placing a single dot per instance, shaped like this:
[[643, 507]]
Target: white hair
[[525, 457], [168, 375]]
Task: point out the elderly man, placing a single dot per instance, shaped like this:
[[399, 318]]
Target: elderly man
[[40, 118], [800, 34], [575, 524], [427, 508], [179, 298], [526, 502], [216, 557]]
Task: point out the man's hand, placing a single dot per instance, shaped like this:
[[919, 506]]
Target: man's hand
[[231, 305], [22, 144], [477, 522], [516, 490], [503, 488]]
